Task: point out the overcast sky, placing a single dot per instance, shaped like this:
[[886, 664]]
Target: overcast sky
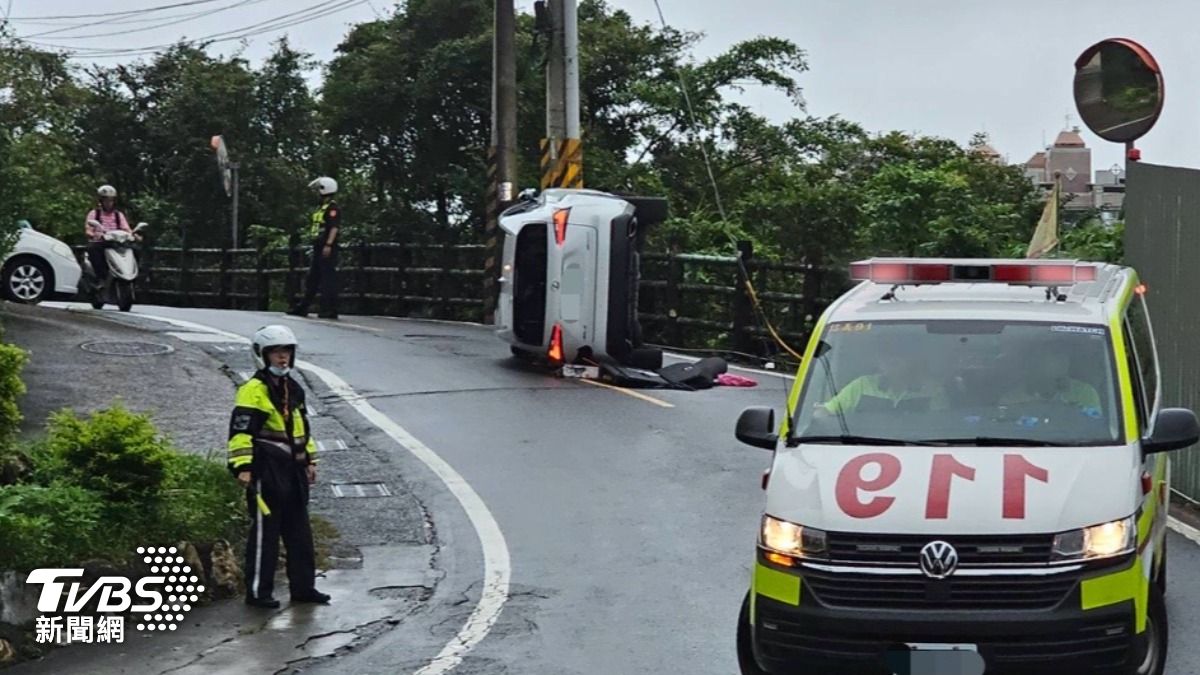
[[943, 67]]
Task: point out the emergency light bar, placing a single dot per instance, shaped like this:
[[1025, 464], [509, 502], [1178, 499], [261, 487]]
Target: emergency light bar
[[918, 271]]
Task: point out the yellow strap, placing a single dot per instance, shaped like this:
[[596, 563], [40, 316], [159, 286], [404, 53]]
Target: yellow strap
[[262, 505], [766, 320]]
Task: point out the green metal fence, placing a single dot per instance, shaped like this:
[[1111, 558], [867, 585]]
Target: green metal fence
[[1162, 241]]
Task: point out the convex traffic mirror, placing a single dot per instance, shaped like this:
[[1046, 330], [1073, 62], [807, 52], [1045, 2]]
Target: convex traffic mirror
[[1118, 90]]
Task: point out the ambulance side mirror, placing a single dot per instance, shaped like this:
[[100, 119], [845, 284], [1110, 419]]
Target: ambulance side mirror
[[756, 427], [1175, 429]]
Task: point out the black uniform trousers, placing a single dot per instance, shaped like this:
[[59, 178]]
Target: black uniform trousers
[[284, 487], [322, 277]]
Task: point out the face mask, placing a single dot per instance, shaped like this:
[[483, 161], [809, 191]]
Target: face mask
[[279, 372]]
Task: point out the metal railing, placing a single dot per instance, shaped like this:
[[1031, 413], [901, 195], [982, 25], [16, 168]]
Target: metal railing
[[685, 300]]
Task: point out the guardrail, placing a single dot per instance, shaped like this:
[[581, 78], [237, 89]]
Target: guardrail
[[686, 300]]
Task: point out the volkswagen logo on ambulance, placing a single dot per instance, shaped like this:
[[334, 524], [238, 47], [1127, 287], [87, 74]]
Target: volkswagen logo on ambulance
[[938, 560]]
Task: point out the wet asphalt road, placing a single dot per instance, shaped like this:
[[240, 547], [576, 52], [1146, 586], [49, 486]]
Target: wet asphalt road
[[630, 525]]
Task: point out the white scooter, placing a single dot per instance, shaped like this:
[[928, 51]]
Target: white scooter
[[117, 287]]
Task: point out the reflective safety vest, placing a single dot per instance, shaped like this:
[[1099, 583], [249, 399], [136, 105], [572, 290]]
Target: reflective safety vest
[[326, 216], [867, 394], [258, 428]]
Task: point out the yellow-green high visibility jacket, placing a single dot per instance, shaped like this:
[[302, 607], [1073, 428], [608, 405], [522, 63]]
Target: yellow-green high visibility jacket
[[325, 218], [258, 427]]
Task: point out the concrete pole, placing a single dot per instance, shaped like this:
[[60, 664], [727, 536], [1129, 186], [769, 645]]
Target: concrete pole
[[505, 112], [571, 66], [556, 79], [502, 152]]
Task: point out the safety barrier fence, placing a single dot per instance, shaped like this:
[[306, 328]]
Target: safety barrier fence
[[686, 301]]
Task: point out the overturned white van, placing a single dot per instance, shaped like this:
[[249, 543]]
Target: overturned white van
[[570, 274]]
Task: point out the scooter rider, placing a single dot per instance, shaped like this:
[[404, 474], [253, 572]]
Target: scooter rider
[[273, 455], [110, 218]]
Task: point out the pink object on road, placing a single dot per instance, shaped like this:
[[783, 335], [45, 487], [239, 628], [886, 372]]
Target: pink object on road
[[731, 380]]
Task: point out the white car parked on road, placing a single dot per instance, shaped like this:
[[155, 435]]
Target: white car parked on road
[[38, 268]]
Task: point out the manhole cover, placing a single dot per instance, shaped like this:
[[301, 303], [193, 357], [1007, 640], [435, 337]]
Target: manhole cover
[[127, 348]]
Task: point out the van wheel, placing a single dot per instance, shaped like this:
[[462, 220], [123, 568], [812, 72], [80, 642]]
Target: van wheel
[[745, 649], [1152, 644]]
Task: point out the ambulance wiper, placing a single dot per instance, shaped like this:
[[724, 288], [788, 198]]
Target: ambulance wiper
[[849, 439], [996, 441]]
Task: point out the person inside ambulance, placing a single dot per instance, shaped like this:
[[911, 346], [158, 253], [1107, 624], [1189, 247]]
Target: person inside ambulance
[[902, 385], [1045, 379]]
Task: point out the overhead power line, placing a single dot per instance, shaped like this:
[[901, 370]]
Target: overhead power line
[[311, 13], [162, 24], [105, 15]]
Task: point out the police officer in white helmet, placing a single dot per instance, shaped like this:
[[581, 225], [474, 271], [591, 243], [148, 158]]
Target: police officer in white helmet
[[322, 273], [273, 455]]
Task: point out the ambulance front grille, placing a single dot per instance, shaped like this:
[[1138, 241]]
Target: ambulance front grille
[[973, 550], [875, 591]]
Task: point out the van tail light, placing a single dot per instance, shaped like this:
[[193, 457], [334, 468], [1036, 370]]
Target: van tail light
[[560, 225], [555, 353]]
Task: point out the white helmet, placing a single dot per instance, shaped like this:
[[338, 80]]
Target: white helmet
[[107, 191], [324, 186], [269, 337]]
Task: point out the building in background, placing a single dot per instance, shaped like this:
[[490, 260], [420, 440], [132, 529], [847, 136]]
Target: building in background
[[1070, 160]]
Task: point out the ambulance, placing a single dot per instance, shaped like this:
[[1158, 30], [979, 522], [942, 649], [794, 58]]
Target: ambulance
[[972, 476]]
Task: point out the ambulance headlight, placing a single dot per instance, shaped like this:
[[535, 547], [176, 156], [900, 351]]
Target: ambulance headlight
[[1099, 541], [789, 540]]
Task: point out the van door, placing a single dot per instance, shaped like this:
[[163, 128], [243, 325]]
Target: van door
[[577, 300]]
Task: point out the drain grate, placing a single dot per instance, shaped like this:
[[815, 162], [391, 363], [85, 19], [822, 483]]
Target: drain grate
[[359, 490], [127, 348]]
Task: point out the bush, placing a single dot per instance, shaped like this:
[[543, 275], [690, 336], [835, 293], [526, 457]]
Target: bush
[[12, 360], [201, 501], [53, 526], [100, 487], [116, 453]]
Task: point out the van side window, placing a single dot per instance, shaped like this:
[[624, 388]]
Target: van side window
[[1135, 378], [1142, 334]]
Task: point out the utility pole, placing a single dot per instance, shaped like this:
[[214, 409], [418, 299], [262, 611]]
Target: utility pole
[[502, 153], [562, 150]]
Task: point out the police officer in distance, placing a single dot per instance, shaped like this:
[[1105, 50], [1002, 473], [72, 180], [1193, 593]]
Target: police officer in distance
[[273, 455], [322, 273]]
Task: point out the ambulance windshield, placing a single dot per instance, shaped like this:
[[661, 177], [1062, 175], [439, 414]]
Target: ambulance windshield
[[961, 382]]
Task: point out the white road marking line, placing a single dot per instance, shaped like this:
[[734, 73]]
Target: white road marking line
[[1184, 529], [497, 565], [497, 568], [207, 338], [629, 392], [331, 446], [333, 322]]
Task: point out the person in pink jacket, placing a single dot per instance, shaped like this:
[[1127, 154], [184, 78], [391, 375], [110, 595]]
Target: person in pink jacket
[[110, 218]]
